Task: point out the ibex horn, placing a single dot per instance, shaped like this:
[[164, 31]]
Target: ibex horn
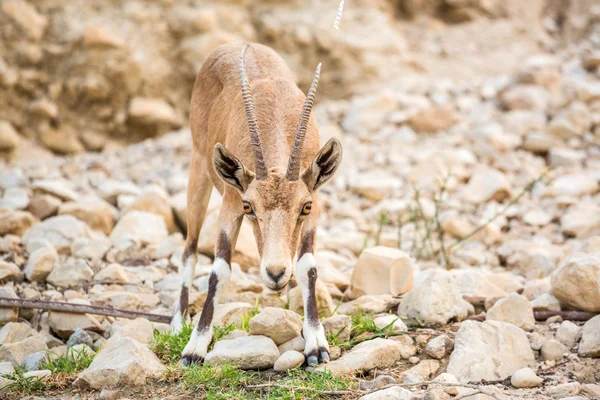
[[293, 170], [259, 161]]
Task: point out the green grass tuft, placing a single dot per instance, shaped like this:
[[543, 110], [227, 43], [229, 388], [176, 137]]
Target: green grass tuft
[[71, 362], [19, 383], [168, 345], [227, 382], [363, 328]]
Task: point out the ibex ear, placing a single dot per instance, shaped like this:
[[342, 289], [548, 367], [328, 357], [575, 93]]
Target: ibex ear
[[231, 169], [324, 165]]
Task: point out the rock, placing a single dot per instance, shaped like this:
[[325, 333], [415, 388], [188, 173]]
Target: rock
[[390, 323], [61, 141], [437, 394], [423, 371], [91, 249], [26, 17], [15, 222], [32, 362], [577, 184], [101, 37], [514, 309], [139, 329], [15, 353], [324, 300], [251, 352], [382, 270], [80, 337], [59, 231], [123, 362], [6, 368], [433, 119], [150, 111], [525, 378], [155, 200], [375, 185], [289, 360], [15, 199], [564, 390], [64, 324], [590, 390], [553, 350], [576, 282], [37, 374], [393, 393], [40, 264], [378, 383], [55, 187], [525, 97], [9, 139], [568, 333], [14, 332], [407, 346], [487, 184], [338, 325], [8, 314], [140, 226], [590, 338], [113, 273], [435, 301], [95, 212], [366, 356], [439, 347], [9, 271], [276, 323], [298, 343], [44, 205], [70, 274], [582, 221], [110, 190], [537, 217], [374, 304], [489, 350], [570, 122], [545, 302]]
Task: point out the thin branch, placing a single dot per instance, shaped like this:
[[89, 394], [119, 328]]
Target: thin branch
[[543, 315], [438, 225], [81, 309]]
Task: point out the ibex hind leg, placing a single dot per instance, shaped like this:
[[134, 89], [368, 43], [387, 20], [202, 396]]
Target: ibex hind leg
[[198, 196]]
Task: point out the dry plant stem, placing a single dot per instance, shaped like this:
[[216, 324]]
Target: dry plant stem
[[514, 201], [81, 309], [438, 225]]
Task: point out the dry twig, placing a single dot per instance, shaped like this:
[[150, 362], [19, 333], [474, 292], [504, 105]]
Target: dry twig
[[81, 309]]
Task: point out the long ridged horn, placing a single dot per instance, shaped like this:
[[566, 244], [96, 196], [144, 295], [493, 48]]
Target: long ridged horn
[[293, 170], [259, 162]]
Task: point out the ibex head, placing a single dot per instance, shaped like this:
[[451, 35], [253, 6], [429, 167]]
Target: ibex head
[[277, 204]]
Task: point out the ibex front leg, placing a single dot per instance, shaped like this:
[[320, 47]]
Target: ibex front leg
[[227, 231], [316, 349]]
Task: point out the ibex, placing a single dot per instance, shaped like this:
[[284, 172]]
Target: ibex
[[254, 139]]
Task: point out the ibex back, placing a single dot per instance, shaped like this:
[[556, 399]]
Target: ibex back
[[254, 139]]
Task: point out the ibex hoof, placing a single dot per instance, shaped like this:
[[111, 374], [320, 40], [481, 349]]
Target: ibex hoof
[[191, 359]]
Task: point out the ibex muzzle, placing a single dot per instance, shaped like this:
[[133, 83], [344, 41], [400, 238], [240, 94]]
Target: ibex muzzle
[[260, 147]]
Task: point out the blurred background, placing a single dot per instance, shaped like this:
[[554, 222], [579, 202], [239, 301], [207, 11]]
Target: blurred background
[[84, 76]]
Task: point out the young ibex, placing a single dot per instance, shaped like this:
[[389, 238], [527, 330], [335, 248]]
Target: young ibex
[[259, 146]]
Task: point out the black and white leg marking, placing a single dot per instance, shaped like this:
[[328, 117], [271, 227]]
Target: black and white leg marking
[[187, 276], [197, 347], [316, 349]]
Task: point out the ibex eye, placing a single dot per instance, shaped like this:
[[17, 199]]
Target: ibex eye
[[306, 208], [248, 208]]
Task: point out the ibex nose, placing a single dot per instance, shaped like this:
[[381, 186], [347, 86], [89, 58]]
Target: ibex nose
[[276, 272]]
